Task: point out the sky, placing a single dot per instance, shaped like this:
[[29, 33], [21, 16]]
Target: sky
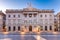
[[39, 4]]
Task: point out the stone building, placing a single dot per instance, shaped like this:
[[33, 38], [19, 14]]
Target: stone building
[[29, 18]]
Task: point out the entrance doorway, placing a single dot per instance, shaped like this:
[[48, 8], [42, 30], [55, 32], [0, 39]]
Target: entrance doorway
[[14, 28], [45, 28], [9, 28], [30, 28]]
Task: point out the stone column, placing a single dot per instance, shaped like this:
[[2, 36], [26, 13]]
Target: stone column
[[16, 28], [43, 27], [27, 28], [48, 27], [6, 28], [11, 28], [52, 27]]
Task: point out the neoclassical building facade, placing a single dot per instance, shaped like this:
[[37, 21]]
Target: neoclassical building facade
[[29, 18]]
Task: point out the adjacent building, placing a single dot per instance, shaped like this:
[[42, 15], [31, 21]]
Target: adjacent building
[[1, 20], [55, 23], [58, 22]]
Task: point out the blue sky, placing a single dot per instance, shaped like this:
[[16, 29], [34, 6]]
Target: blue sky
[[39, 4]]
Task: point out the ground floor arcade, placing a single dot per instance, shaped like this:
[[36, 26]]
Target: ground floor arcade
[[29, 28]]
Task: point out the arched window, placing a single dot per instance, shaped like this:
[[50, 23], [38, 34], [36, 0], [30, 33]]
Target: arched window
[[18, 28], [50, 27], [30, 28], [9, 28], [14, 28], [45, 28]]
